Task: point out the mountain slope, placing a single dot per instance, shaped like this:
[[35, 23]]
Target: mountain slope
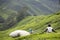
[[38, 24], [36, 7]]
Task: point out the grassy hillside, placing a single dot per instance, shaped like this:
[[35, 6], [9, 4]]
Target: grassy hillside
[[38, 24]]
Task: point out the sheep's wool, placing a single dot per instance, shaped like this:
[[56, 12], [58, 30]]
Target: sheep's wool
[[19, 32]]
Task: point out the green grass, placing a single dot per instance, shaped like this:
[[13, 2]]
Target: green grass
[[51, 36], [45, 36], [38, 24]]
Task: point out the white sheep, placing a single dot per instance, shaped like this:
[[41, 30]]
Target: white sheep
[[19, 33]]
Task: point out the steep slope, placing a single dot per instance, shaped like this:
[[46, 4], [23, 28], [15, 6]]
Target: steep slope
[[38, 24]]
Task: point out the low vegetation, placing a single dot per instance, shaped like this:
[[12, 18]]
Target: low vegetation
[[38, 24]]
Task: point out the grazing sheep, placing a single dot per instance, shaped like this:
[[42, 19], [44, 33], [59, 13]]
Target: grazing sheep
[[18, 33]]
